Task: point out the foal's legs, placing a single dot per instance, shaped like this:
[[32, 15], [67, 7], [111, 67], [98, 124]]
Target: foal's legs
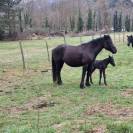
[[100, 77], [59, 66], [104, 76], [128, 44], [83, 76]]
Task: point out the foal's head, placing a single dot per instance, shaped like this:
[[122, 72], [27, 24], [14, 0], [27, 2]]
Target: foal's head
[[108, 44], [130, 38], [111, 60]]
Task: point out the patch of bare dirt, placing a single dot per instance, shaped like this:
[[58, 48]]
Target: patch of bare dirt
[[110, 110], [35, 104], [127, 93], [10, 78], [58, 127], [39, 103], [101, 129], [13, 77], [13, 110]]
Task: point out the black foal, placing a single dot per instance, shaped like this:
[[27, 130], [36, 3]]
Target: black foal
[[101, 65], [130, 40]]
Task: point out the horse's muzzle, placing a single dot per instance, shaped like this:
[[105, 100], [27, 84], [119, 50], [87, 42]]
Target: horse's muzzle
[[114, 50]]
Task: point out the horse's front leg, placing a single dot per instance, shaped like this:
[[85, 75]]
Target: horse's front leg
[[104, 76], [83, 76]]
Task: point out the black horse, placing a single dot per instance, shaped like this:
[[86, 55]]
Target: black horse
[[101, 65], [77, 56], [130, 40]]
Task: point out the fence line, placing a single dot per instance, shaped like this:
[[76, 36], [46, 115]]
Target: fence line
[[116, 37]]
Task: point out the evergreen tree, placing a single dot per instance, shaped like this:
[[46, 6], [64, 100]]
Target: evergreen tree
[[94, 21], [46, 23], [30, 22], [99, 21], [120, 23], [20, 21], [115, 22], [80, 23], [127, 23], [89, 20], [132, 25], [72, 23], [7, 7]]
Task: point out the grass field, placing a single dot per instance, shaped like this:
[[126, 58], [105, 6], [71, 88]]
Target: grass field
[[67, 109]]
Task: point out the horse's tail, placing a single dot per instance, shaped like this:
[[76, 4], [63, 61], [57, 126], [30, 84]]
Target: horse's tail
[[53, 68]]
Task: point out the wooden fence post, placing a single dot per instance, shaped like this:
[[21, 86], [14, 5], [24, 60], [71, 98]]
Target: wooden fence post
[[47, 50], [100, 35], [92, 37], [114, 36], [80, 39], [64, 39], [119, 36], [22, 54], [123, 36]]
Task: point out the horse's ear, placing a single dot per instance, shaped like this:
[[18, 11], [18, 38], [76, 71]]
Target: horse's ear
[[106, 36]]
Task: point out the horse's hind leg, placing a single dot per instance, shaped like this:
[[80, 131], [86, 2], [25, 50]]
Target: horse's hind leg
[[83, 76], [54, 70], [87, 78], [58, 72]]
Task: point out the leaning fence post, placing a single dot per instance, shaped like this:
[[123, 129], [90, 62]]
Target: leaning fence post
[[47, 50], [22, 54], [114, 36], [64, 39], [100, 35], [80, 39], [123, 36], [119, 36]]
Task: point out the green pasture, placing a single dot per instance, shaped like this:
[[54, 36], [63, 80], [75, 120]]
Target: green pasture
[[107, 109]]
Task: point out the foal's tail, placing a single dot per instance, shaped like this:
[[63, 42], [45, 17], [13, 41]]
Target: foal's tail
[[53, 68]]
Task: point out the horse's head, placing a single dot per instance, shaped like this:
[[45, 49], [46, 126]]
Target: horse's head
[[108, 44], [111, 60]]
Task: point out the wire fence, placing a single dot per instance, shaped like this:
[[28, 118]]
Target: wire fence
[[34, 54]]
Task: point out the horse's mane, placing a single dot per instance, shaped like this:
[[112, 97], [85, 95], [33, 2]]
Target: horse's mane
[[94, 41]]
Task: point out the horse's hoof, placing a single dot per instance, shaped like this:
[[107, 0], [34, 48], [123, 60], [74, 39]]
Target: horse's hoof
[[88, 84], [60, 83], [82, 86]]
